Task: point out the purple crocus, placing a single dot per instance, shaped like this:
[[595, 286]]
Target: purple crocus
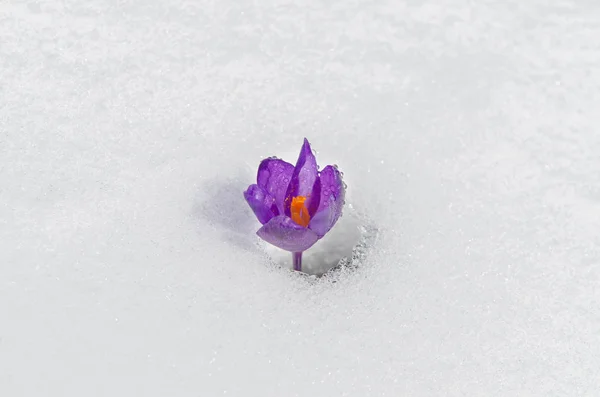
[[297, 205]]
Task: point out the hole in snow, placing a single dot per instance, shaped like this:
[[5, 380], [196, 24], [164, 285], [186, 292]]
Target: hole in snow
[[345, 246]]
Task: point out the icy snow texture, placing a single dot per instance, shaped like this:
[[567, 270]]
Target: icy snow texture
[[467, 132]]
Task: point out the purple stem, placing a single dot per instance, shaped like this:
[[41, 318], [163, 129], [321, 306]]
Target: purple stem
[[297, 256]]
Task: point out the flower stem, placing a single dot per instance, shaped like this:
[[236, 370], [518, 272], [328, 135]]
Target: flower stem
[[297, 259]]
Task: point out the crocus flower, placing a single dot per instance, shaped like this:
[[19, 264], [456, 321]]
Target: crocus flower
[[297, 205]]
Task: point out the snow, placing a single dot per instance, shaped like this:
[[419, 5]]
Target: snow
[[468, 136]]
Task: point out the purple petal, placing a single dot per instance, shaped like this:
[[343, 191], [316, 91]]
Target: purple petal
[[304, 181], [261, 202], [274, 176], [284, 233], [331, 202]]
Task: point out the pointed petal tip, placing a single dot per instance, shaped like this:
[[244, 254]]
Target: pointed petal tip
[[304, 178], [306, 145]]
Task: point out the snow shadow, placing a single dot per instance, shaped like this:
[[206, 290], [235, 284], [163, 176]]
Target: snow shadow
[[220, 202]]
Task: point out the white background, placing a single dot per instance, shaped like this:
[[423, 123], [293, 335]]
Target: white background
[[468, 135]]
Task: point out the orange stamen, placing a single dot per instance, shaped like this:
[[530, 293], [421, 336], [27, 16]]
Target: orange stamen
[[299, 211]]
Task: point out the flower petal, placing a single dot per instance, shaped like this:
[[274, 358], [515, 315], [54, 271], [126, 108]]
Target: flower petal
[[284, 233], [332, 200], [305, 181], [261, 202], [274, 177]]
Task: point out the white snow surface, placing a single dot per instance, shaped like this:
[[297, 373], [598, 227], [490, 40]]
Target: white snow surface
[[468, 136]]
